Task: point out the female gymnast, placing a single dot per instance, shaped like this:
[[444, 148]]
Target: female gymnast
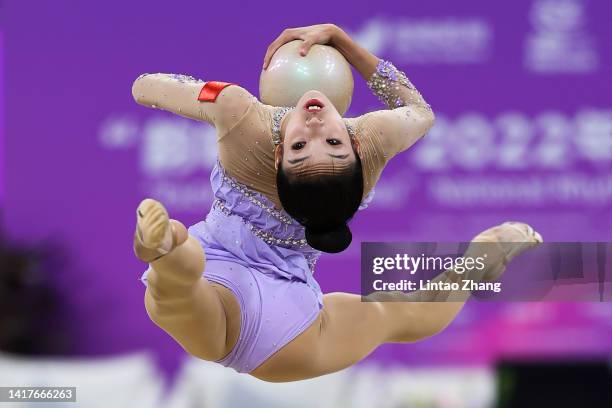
[[238, 287]]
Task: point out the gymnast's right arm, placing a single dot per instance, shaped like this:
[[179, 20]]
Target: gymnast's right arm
[[218, 103]]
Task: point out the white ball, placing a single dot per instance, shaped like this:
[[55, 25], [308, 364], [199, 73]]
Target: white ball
[[289, 76]]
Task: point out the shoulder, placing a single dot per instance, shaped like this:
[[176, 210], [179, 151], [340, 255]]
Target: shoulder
[[374, 119], [231, 103], [385, 130], [226, 94], [368, 127], [369, 124]]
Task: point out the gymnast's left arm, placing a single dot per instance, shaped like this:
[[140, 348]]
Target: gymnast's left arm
[[408, 117], [221, 104]]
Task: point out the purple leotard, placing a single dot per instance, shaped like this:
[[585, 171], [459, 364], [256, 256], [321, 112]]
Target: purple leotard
[[259, 253]]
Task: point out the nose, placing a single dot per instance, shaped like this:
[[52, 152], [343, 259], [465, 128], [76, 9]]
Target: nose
[[314, 122]]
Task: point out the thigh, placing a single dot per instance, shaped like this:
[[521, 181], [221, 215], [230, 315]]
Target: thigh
[[346, 331]]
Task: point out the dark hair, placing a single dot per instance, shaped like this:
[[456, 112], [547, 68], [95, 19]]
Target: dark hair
[[323, 204]]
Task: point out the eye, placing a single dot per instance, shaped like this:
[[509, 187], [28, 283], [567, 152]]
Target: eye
[[334, 142], [298, 145]]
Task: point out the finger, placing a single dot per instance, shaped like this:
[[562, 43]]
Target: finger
[[267, 58], [305, 47], [270, 52], [284, 37]]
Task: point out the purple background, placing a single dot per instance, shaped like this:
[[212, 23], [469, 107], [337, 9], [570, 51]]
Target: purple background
[[80, 154], [1, 117]]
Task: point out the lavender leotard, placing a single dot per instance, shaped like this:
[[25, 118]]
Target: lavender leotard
[[259, 253]]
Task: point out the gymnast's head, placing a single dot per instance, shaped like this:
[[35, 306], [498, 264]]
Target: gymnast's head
[[319, 175]]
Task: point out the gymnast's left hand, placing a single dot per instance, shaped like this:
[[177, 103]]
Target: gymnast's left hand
[[314, 34]]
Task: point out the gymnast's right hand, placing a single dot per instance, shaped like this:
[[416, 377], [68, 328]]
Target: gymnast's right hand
[[314, 34]]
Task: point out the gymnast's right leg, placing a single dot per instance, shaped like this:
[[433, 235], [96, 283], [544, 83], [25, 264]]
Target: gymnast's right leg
[[204, 318], [348, 329]]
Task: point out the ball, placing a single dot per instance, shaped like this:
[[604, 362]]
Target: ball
[[290, 75]]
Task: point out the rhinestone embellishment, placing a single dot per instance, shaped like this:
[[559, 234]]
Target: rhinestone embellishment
[[390, 84], [350, 129], [177, 77], [278, 116], [263, 235], [246, 192], [279, 215]]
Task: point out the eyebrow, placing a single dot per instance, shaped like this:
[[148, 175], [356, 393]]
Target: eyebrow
[[296, 161], [301, 159]]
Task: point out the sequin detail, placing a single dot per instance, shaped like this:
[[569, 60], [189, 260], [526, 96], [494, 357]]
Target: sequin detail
[[290, 242], [278, 116], [177, 77], [258, 232], [390, 84], [248, 193], [185, 78], [350, 129]]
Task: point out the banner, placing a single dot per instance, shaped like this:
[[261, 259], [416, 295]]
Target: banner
[[521, 92]]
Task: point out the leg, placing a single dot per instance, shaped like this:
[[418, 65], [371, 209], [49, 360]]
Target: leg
[[196, 313], [347, 329]]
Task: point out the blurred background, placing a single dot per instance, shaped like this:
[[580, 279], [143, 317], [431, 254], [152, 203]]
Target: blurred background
[[522, 93]]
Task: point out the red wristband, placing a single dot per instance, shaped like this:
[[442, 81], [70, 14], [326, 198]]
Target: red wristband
[[211, 90]]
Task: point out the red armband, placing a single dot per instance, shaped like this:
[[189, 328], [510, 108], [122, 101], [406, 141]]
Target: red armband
[[211, 90]]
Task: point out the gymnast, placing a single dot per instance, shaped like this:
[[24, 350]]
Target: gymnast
[[238, 288]]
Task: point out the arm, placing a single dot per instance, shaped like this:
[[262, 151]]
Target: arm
[[191, 98], [409, 116]]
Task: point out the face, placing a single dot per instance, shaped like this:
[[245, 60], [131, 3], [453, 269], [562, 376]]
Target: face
[[316, 139]]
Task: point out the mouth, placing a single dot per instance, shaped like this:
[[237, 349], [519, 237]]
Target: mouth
[[313, 105]]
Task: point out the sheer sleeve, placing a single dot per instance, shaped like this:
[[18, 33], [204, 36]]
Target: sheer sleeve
[[218, 103], [408, 117]]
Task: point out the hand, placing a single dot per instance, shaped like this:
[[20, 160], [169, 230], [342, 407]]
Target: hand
[[315, 34]]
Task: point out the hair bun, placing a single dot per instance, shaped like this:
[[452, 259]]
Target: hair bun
[[331, 241]]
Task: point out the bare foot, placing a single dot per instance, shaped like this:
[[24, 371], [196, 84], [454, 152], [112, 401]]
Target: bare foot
[[156, 234], [513, 238]]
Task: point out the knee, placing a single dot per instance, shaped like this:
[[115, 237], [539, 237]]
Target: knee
[[419, 322], [151, 306], [432, 328]]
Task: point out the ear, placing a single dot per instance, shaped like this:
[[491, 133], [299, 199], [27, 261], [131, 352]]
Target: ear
[[278, 155], [356, 145], [350, 128]]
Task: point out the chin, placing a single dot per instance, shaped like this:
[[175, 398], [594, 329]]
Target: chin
[[313, 94]]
